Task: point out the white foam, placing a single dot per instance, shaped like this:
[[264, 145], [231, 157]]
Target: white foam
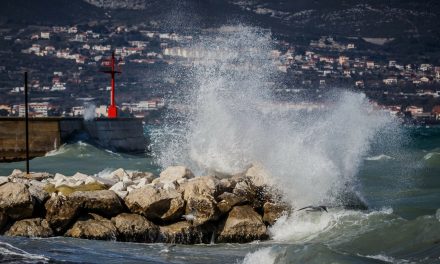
[[261, 256], [302, 227], [379, 157], [233, 121], [10, 252]]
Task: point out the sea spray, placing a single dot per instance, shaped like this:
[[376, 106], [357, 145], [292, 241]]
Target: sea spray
[[232, 120]]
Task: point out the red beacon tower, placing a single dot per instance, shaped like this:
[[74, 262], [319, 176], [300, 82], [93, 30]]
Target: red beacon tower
[[111, 67]]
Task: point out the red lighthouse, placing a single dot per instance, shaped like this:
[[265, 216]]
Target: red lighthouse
[[111, 67]]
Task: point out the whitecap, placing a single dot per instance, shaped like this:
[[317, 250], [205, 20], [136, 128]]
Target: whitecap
[[430, 155], [11, 253], [380, 157]]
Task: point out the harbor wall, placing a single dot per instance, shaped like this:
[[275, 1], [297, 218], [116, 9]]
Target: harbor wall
[[46, 134]]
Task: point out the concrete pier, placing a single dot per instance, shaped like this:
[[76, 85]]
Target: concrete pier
[[46, 134]]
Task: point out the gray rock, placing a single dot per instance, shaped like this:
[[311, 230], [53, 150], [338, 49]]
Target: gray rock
[[228, 201], [242, 225], [103, 202], [93, 227], [16, 200], [273, 211], [135, 228], [175, 173], [156, 204], [61, 211], [185, 233], [35, 227]]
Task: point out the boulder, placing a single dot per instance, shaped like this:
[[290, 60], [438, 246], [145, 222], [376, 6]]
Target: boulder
[[156, 204], [16, 200], [242, 225], [254, 195], [273, 211], [35, 227], [258, 175], [93, 227], [201, 209], [185, 233], [119, 186], [175, 173], [228, 201], [137, 175], [199, 194], [61, 211], [206, 185], [135, 228], [103, 202]]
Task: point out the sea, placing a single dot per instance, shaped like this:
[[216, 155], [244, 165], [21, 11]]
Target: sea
[[315, 152]]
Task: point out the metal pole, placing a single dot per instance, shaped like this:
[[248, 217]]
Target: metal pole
[[27, 120]]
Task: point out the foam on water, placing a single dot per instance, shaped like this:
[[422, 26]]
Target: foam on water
[[233, 121]]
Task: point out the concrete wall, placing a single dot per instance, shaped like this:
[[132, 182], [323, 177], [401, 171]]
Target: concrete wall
[[122, 134], [46, 134]]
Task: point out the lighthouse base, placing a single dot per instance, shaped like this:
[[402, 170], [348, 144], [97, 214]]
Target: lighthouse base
[[112, 111]]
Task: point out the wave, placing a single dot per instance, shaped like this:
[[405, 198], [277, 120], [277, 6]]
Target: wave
[[234, 120], [431, 155], [343, 236], [379, 157], [11, 254]]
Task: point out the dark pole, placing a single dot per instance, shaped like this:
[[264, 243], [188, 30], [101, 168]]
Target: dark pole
[[27, 120]]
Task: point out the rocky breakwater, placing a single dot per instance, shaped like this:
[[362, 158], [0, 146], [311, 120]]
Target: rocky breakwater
[[175, 207]]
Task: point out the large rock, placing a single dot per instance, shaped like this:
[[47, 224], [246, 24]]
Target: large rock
[[273, 211], [156, 204], [104, 202], [175, 173], [93, 227], [202, 209], [35, 227], [135, 228], [259, 176], [185, 233], [199, 194], [228, 201], [206, 185], [242, 225], [61, 211], [16, 200]]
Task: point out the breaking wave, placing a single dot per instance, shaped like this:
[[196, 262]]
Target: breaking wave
[[232, 120]]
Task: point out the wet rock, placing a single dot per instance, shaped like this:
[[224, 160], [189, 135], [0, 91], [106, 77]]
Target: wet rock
[[175, 173], [35, 227], [246, 190], [135, 228], [93, 227], [103, 202], [185, 233], [273, 211], [242, 225], [202, 209], [16, 200], [258, 175], [228, 201], [156, 204], [61, 211]]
